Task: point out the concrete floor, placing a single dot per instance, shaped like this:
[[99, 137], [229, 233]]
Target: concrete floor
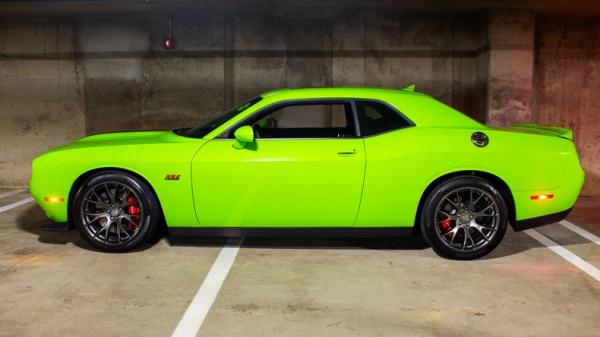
[[52, 285]]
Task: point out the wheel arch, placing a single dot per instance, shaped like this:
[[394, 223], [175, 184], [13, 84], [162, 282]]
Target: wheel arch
[[493, 179], [93, 171]]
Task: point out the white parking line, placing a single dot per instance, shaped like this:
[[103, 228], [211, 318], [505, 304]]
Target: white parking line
[[15, 204], [571, 226], [565, 254], [9, 193], [194, 316]]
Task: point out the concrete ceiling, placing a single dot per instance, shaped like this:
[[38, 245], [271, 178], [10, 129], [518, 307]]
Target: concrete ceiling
[[570, 7]]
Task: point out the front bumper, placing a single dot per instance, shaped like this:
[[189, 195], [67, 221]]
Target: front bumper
[[57, 227], [56, 211]]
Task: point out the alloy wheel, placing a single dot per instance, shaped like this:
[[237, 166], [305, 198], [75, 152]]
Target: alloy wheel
[[111, 213], [467, 219]]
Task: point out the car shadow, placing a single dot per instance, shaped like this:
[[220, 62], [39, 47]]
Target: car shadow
[[410, 243], [32, 219], [404, 243]]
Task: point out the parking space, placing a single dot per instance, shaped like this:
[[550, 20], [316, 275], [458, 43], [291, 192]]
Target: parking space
[[52, 284], [357, 291]]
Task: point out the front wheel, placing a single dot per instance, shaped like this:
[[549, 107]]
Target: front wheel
[[115, 211], [464, 218]]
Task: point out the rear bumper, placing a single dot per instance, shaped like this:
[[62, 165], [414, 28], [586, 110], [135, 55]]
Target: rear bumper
[[540, 220], [532, 213]]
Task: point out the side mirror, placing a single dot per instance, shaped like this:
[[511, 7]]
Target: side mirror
[[243, 135]]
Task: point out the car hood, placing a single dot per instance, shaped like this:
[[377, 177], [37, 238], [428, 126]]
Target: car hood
[[129, 138]]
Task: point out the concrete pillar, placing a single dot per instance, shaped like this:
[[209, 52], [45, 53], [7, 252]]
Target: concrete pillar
[[511, 63]]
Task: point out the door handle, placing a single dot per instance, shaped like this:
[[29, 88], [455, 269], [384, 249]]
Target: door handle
[[347, 152]]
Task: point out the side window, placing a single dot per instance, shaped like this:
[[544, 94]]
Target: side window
[[376, 117], [306, 120]]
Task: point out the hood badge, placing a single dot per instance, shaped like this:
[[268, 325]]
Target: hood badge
[[172, 176]]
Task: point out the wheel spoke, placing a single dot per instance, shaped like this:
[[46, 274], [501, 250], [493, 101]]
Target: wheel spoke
[[128, 218], [488, 227], [477, 200], [451, 202], [100, 204], [109, 193], [110, 223], [479, 229], [116, 193], [464, 245], [98, 196], [126, 194], [95, 214], [454, 232], [120, 228], [125, 204], [468, 234], [482, 212], [451, 231], [450, 216], [96, 217], [470, 196], [105, 227]]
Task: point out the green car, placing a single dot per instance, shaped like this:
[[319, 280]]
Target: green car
[[317, 161]]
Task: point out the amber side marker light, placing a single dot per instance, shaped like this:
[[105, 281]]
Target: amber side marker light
[[542, 196], [53, 200]]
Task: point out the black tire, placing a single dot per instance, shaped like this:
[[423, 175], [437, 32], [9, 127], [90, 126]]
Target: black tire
[[441, 228], [126, 186]]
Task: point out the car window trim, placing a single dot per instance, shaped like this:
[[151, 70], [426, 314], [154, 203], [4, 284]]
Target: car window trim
[[303, 101], [352, 101]]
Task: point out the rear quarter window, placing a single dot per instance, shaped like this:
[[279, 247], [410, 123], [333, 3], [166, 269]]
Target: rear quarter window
[[377, 117]]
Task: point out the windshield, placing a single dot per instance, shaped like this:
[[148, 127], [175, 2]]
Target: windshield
[[204, 129]]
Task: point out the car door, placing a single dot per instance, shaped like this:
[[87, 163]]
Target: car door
[[391, 191], [304, 169]]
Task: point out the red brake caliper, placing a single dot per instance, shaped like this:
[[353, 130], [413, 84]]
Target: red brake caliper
[[134, 211], [447, 224]]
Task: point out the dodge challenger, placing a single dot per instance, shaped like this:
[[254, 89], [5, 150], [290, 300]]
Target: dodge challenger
[[316, 161]]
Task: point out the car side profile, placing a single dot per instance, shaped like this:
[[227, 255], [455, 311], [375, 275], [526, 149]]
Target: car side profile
[[316, 161]]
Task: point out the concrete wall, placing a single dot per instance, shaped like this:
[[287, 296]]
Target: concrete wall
[[66, 76], [41, 93], [568, 85], [131, 83]]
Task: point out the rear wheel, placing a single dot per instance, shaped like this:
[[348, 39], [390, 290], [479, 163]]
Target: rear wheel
[[464, 218], [115, 211]]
